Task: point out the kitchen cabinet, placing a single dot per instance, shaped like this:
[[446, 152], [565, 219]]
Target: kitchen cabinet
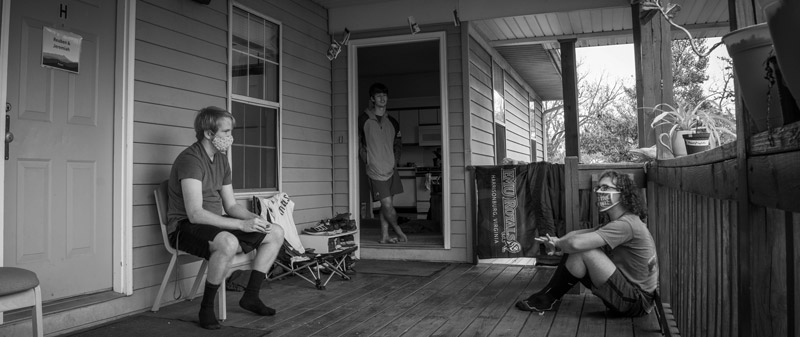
[[408, 120], [409, 196], [429, 116]]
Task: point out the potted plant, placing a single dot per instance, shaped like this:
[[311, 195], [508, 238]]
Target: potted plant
[[692, 124]]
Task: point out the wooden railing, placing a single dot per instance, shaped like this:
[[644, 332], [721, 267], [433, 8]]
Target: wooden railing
[[728, 236], [727, 227]]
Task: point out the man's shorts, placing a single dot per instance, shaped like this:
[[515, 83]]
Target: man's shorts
[[194, 238], [388, 188], [623, 297]]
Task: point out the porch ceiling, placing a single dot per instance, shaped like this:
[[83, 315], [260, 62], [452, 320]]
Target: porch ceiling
[[529, 41]]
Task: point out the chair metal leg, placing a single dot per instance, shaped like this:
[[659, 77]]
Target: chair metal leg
[[38, 330], [167, 274], [223, 304], [197, 280]]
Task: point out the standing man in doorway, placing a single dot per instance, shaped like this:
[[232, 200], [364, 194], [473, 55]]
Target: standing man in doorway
[[380, 145], [199, 190]]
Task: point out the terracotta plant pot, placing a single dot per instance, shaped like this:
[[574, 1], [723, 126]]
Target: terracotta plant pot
[[696, 142], [749, 49], [783, 19]]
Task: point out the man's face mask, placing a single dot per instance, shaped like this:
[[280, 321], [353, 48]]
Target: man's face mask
[[607, 197], [222, 143]]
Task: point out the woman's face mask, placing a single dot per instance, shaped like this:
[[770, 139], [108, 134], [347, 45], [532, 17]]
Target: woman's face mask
[[607, 197], [222, 143]]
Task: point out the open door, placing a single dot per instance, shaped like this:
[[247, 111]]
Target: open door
[[413, 68]]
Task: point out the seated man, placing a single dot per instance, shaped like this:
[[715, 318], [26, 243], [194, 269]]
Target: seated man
[[617, 261], [199, 190]]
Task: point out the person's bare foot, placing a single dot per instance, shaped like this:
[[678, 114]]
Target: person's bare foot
[[388, 241], [403, 238]]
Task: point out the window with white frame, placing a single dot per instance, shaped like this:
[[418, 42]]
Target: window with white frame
[[255, 94]]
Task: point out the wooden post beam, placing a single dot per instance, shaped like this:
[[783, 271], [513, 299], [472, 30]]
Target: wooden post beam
[[652, 42], [569, 81]]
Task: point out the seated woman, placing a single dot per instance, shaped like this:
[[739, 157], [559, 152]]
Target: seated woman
[[617, 260]]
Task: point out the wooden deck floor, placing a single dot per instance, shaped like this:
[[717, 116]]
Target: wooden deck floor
[[459, 300]]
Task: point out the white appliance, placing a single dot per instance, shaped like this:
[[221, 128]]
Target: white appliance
[[430, 135]]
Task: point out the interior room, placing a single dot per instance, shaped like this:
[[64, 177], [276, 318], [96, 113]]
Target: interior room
[[410, 70]]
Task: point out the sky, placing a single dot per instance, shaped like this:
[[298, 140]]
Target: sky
[[617, 62]]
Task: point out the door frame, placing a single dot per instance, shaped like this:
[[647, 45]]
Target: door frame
[[122, 161], [352, 117]]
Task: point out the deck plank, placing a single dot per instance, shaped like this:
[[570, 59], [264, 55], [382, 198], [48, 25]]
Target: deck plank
[[593, 317], [470, 310], [401, 321], [512, 323], [491, 314], [443, 312], [568, 316], [365, 312], [460, 300]]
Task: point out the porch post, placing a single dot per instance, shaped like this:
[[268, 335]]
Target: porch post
[[741, 13], [569, 82], [653, 59]]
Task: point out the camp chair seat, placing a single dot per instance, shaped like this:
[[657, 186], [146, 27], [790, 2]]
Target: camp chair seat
[[334, 262]]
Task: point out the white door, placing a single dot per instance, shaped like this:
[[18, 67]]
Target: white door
[[58, 176]]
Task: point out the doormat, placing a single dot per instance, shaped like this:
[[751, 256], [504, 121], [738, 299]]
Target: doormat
[[140, 325], [403, 268]]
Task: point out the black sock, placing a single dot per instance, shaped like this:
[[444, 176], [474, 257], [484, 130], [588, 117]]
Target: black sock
[[207, 317], [250, 299], [561, 282]]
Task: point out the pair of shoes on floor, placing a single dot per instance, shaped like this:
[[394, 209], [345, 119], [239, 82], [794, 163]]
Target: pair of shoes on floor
[[323, 228], [538, 303]]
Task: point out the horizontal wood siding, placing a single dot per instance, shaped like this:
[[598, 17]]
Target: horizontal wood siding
[[460, 247], [181, 66], [518, 144], [538, 129], [481, 109], [517, 96]]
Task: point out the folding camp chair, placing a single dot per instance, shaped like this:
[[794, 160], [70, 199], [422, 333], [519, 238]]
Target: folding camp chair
[[292, 263]]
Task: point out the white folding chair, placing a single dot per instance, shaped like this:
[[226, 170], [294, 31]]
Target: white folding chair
[[240, 261]]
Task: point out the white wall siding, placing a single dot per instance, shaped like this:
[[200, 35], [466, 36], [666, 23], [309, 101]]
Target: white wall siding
[[481, 113], [518, 144]]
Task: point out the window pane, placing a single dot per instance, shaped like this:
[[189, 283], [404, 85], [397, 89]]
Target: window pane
[[239, 30], [256, 78], [237, 164], [270, 134], [239, 74], [256, 36], [237, 109], [271, 51], [252, 168], [253, 125], [271, 84], [270, 168], [255, 153]]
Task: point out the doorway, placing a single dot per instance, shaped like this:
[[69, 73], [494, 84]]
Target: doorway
[[413, 68], [58, 189]]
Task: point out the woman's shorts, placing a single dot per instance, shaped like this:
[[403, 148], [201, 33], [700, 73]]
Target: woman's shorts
[[383, 189], [623, 297], [195, 238]]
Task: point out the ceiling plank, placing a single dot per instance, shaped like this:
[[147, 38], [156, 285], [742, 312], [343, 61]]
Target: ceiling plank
[[625, 32], [482, 9]]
